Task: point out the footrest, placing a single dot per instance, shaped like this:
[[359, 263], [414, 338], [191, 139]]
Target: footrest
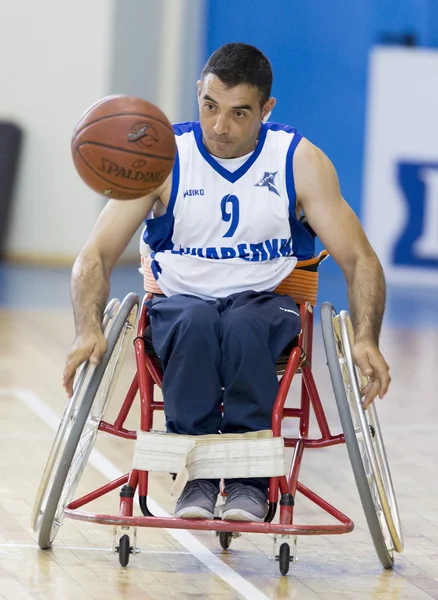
[[253, 454]]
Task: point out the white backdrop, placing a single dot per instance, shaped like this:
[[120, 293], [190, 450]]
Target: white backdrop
[[53, 66], [401, 163], [57, 58]]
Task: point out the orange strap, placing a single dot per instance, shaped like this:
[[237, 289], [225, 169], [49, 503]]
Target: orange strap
[[301, 284], [150, 283]]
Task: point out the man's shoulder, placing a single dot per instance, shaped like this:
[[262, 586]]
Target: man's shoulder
[[309, 155], [184, 127], [274, 126]]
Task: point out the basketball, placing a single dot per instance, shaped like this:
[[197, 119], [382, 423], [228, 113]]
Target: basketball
[[123, 147]]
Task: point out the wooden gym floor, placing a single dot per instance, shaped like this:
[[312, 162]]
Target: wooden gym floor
[[36, 329]]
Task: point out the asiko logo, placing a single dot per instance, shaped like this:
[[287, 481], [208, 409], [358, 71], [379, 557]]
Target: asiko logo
[[193, 193], [418, 242]]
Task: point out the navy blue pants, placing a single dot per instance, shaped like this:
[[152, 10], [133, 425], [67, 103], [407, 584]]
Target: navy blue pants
[[221, 351]]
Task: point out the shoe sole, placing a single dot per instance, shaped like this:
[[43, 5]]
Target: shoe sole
[[237, 514], [194, 512]]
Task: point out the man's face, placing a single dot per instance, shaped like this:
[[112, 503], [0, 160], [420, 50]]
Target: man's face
[[230, 117]]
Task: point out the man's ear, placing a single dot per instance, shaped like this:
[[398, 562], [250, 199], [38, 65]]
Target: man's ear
[[268, 108]]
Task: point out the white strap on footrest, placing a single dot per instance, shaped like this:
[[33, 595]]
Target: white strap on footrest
[[161, 452], [237, 458], [253, 454]]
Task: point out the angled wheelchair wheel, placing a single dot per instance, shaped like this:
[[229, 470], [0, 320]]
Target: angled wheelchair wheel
[[79, 425], [363, 437]]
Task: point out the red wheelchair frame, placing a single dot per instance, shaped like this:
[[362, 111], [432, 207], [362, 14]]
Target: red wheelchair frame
[[148, 375]]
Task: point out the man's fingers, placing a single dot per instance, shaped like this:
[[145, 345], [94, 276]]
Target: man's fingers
[[381, 374], [68, 377], [372, 389], [69, 373], [364, 391], [73, 362], [374, 367], [98, 352], [92, 352], [68, 385], [377, 386], [363, 363], [90, 345]]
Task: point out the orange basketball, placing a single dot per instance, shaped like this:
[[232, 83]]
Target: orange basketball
[[123, 147]]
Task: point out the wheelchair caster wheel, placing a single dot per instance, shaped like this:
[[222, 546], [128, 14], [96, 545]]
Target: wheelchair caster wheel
[[124, 549], [225, 538], [284, 558]]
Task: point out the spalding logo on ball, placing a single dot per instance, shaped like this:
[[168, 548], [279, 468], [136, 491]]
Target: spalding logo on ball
[[123, 147]]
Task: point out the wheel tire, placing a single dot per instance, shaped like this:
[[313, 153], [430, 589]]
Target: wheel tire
[[284, 558], [126, 314], [124, 550], [353, 449], [225, 538]]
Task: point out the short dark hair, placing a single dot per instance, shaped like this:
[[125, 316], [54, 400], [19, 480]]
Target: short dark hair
[[239, 63]]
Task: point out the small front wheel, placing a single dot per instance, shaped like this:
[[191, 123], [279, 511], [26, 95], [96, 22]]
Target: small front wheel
[[284, 558], [124, 550], [225, 538]]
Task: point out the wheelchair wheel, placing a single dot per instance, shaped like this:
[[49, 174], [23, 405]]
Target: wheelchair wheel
[[79, 425], [225, 538], [362, 436], [124, 549], [284, 558]]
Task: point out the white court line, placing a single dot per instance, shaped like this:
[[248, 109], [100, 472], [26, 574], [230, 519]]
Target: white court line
[[109, 470]]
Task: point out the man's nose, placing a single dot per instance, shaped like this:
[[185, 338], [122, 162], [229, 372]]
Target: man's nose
[[221, 125]]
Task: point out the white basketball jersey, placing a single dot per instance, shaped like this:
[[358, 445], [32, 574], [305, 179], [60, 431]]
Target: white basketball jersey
[[228, 231]]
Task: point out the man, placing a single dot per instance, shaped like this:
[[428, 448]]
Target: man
[[228, 233]]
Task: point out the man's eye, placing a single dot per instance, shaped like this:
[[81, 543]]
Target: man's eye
[[239, 114], [210, 106]]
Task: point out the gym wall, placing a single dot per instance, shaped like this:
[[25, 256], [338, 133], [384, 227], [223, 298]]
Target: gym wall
[[54, 64], [57, 59]]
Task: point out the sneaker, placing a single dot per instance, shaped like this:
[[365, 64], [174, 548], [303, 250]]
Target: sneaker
[[197, 500], [245, 503]]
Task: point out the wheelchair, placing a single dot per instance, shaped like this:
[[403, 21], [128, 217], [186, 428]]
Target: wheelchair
[[84, 418]]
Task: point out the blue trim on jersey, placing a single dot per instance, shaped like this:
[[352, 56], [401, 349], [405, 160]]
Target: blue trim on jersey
[[181, 128], [290, 183], [273, 126], [303, 242], [175, 185], [159, 231], [155, 267], [234, 176]]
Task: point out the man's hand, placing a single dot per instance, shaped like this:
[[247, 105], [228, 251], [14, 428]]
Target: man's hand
[[373, 366], [90, 345]]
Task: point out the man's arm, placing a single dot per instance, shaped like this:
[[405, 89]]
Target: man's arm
[[90, 282], [339, 230]]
